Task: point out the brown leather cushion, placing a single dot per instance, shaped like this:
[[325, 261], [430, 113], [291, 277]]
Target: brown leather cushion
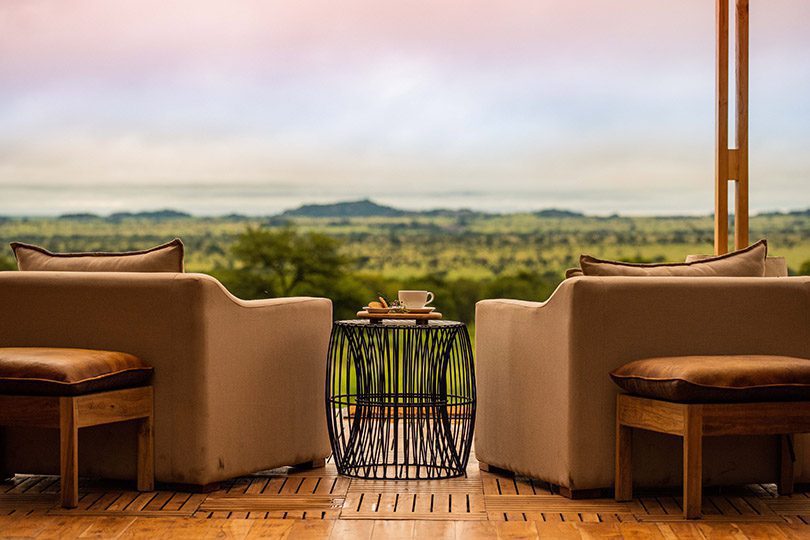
[[748, 262], [774, 266], [167, 257], [67, 372], [713, 379]]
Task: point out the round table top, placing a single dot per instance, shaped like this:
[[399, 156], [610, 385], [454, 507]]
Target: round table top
[[400, 323]]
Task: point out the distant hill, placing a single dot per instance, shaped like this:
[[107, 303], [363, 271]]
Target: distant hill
[[362, 208], [235, 217], [558, 213], [805, 212], [347, 209], [446, 212], [154, 215], [82, 216]]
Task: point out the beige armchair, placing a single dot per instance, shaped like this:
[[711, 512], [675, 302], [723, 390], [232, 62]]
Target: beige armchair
[[238, 384], [546, 404]]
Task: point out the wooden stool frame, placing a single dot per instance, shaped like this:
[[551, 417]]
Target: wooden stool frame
[[68, 414], [692, 422]]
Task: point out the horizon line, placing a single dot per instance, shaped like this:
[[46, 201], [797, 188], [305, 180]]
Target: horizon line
[[406, 212]]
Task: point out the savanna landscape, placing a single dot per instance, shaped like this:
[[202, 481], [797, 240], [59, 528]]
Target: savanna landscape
[[350, 252]]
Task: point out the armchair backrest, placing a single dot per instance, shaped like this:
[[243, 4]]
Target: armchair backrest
[[156, 316], [625, 318]]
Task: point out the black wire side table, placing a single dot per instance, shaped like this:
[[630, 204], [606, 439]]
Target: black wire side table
[[400, 399]]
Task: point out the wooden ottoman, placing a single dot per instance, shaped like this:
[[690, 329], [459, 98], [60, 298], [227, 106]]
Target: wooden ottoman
[[704, 396], [70, 389]]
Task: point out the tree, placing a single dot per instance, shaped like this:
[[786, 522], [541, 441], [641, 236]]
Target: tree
[[804, 269], [7, 263], [284, 262]]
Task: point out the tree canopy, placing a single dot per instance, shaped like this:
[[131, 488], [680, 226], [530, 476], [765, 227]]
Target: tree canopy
[[283, 262]]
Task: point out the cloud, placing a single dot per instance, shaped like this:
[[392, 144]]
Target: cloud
[[521, 94]]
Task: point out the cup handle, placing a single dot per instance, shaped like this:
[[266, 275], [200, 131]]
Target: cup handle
[[430, 298]]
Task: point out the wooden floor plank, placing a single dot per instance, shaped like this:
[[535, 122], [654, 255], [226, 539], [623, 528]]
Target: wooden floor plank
[[476, 530], [107, 527], [676, 531], [257, 485], [523, 486], [311, 529], [176, 502], [320, 504], [12, 526], [603, 530], [275, 485], [148, 529], [640, 531], [557, 529], [106, 500], [160, 499], [721, 531], [352, 529], [271, 528], [392, 530], [517, 529], [763, 530], [434, 530], [794, 531]]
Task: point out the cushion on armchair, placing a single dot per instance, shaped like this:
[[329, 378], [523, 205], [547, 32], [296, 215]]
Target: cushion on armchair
[[166, 257], [573, 272], [748, 262], [725, 378], [774, 266]]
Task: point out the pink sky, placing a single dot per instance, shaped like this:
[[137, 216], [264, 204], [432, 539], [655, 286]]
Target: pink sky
[[531, 96]]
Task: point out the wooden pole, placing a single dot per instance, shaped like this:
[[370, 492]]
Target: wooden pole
[[722, 154], [741, 191], [731, 163]]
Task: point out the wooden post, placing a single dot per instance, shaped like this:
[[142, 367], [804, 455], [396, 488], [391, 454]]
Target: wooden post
[[731, 163], [741, 191], [722, 153]]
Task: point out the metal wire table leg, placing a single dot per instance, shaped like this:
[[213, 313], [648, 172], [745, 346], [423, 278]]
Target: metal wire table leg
[[400, 399]]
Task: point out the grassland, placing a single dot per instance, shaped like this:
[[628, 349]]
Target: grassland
[[474, 247], [463, 250]]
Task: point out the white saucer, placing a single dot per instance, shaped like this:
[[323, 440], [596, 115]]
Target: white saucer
[[421, 310]]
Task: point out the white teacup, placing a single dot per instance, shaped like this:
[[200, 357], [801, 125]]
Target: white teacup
[[415, 299]]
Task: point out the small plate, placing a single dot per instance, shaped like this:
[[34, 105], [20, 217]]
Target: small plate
[[421, 310], [377, 310]]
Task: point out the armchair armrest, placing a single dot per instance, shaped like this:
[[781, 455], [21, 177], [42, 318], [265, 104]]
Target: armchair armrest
[[265, 380], [519, 343]]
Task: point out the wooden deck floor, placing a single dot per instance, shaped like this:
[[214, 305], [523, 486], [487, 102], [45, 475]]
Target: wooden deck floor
[[320, 504]]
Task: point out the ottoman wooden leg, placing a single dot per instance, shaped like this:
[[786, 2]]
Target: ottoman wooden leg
[[786, 459], [69, 452], [623, 483], [692, 462], [4, 474], [68, 413], [146, 454]]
